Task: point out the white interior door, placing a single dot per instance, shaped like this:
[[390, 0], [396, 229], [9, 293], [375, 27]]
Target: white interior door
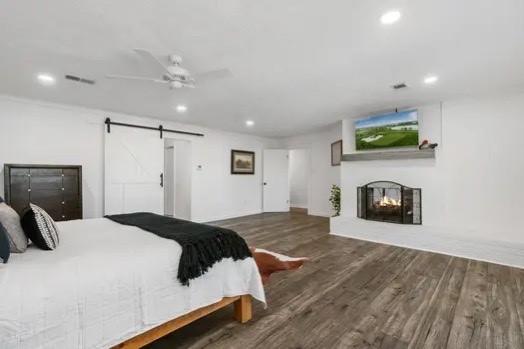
[[276, 180], [134, 165]]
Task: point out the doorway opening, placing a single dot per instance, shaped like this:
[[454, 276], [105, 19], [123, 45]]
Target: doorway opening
[[177, 178], [299, 180]]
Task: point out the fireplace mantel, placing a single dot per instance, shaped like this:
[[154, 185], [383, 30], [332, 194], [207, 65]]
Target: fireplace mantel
[[390, 155]]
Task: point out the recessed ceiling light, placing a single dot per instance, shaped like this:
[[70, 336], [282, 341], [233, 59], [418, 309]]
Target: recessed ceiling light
[[250, 123], [181, 108], [430, 79], [390, 17], [46, 79]]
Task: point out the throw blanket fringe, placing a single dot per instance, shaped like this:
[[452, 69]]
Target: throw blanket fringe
[[202, 245]]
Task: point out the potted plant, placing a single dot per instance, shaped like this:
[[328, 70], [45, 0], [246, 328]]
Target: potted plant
[[334, 199]]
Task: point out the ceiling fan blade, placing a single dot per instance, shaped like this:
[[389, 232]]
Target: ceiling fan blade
[[139, 78], [149, 56], [213, 75]]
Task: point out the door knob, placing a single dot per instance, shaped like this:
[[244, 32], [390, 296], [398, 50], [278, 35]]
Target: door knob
[[162, 180], [265, 183]]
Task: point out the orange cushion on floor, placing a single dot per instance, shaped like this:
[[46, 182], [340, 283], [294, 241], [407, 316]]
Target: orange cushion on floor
[[271, 262]]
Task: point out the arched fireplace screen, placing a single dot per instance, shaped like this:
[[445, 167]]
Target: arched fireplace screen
[[387, 201]]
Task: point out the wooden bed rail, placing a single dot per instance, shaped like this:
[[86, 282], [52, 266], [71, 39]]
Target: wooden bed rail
[[243, 313]]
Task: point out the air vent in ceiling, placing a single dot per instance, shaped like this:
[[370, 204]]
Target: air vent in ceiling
[[399, 86], [79, 79]]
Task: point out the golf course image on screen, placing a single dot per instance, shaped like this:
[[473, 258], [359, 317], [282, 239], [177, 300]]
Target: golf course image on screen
[[399, 129]]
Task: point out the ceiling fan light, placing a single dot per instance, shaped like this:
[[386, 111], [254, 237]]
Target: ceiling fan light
[[175, 84]]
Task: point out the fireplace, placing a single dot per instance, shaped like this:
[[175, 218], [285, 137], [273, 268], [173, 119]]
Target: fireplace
[[386, 201]]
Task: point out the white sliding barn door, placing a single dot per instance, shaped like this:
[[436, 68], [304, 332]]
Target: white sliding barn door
[[276, 180], [134, 166]]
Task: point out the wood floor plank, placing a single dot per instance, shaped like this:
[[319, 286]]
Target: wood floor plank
[[517, 289], [469, 328], [434, 323], [503, 317], [358, 294], [388, 312]]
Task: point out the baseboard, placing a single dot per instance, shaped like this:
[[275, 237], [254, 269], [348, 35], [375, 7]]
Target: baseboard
[[228, 216], [430, 239], [319, 213], [298, 210]]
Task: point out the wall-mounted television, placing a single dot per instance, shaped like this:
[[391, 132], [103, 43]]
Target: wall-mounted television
[[391, 130]]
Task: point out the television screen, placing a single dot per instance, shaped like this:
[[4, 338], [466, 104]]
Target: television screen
[[387, 130]]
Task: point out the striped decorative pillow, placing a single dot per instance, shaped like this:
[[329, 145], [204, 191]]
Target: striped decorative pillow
[[40, 228]]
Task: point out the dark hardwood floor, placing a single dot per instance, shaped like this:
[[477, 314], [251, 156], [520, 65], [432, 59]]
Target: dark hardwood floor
[[358, 294]]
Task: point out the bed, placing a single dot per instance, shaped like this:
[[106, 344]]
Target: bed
[[110, 285]]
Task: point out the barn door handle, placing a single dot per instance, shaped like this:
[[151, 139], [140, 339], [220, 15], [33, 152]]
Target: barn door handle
[[162, 180]]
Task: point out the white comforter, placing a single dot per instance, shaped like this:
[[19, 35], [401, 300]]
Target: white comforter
[[105, 283]]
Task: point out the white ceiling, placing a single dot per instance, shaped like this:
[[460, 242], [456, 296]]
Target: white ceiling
[[297, 64]]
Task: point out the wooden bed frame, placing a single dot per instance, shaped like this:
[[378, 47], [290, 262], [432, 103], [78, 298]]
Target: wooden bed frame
[[243, 313]]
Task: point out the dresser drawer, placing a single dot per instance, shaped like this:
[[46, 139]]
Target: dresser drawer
[[20, 193], [45, 172], [50, 201], [70, 213], [71, 185], [46, 183]]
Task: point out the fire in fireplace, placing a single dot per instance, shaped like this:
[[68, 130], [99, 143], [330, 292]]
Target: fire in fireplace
[[387, 201]]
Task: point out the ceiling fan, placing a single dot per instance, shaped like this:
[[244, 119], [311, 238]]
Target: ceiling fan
[[173, 74]]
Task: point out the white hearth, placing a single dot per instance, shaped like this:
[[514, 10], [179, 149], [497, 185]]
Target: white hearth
[[435, 239]]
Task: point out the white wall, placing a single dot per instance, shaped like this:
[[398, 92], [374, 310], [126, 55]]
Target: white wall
[[483, 167], [38, 132], [298, 177], [321, 174], [472, 191]]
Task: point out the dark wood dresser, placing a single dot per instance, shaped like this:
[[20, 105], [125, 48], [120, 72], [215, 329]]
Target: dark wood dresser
[[55, 188]]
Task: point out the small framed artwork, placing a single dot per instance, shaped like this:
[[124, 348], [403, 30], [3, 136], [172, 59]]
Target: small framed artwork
[[336, 153], [242, 162]]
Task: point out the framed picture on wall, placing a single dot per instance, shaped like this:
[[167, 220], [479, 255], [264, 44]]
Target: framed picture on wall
[[336, 153], [242, 162]]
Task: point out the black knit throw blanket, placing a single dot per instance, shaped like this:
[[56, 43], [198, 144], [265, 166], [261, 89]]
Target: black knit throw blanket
[[202, 245]]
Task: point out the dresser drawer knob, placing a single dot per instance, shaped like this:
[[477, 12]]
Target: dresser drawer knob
[[63, 202], [29, 189], [63, 216], [63, 189]]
